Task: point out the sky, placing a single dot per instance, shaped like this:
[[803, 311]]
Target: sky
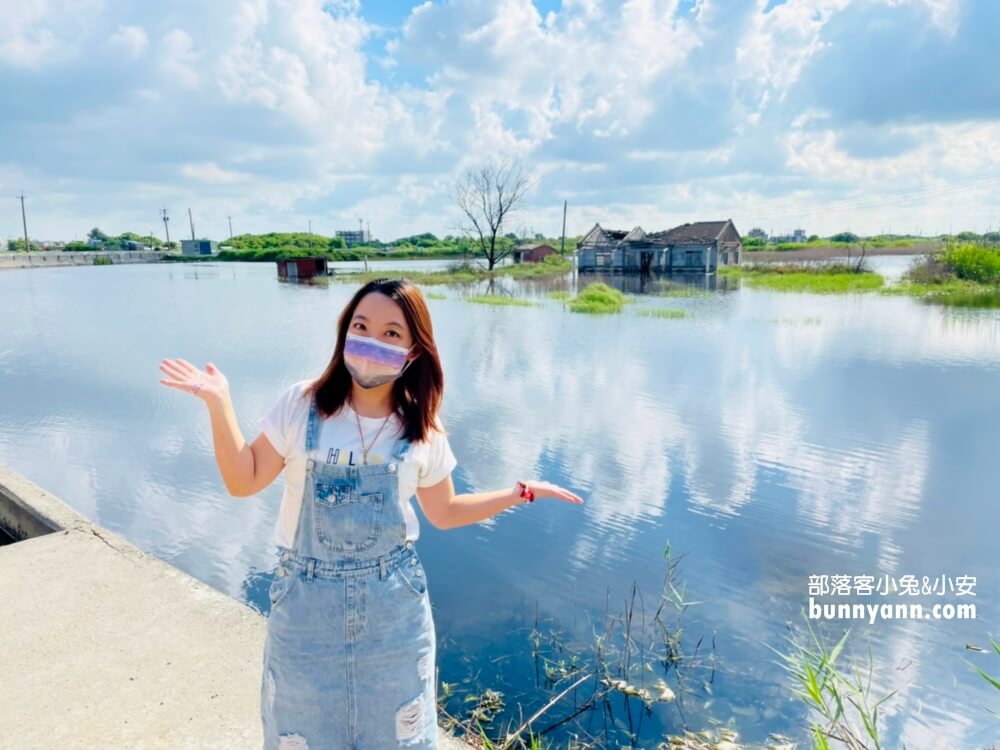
[[827, 115]]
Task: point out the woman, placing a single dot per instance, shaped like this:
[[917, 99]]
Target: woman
[[350, 651]]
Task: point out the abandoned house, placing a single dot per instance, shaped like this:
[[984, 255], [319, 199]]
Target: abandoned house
[[699, 247], [529, 253]]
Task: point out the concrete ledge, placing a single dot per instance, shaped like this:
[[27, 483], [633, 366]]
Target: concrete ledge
[[106, 646], [54, 258]]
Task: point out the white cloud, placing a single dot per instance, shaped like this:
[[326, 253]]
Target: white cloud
[[131, 39], [212, 173], [637, 113], [178, 59], [42, 33]]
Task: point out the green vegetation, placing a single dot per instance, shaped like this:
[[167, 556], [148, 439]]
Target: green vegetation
[[467, 272], [123, 241], [973, 262], [560, 294], [662, 312], [839, 701], [597, 298], [17, 246], [961, 275], [496, 299], [290, 241], [990, 679], [753, 244], [435, 295], [826, 278], [632, 659], [277, 245]]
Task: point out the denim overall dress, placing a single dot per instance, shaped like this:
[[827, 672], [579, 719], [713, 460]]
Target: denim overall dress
[[350, 651]]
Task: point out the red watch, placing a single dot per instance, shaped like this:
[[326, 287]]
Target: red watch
[[525, 492]]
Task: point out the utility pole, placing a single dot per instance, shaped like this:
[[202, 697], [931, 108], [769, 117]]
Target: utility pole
[[24, 220], [230, 218], [166, 226], [562, 246], [190, 219]]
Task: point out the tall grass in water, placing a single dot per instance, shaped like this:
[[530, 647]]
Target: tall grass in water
[[496, 299], [989, 678], [842, 703], [630, 660]]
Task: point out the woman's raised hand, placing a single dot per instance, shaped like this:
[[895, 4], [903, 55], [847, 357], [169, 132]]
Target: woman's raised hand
[[184, 376], [547, 489]]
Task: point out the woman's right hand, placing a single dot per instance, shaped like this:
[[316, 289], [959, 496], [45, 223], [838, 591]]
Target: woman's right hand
[[182, 375]]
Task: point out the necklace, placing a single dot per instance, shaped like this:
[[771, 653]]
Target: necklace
[[364, 448]]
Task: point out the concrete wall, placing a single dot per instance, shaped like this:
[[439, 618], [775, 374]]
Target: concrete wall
[[28, 511], [84, 258]]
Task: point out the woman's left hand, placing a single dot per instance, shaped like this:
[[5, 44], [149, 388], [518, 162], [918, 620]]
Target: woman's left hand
[[547, 489]]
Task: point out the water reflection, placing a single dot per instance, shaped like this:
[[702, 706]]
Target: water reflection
[[767, 436]]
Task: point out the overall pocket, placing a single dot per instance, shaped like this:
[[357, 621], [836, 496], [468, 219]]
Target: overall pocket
[[346, 520], [280, 586], [412, 576]]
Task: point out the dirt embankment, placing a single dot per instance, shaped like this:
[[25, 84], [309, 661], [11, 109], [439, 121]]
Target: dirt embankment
[[817, 252]]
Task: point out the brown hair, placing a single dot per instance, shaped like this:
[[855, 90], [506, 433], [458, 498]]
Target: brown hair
[[418, 391]]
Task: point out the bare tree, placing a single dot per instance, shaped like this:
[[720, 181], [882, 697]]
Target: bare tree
[[488, 195]]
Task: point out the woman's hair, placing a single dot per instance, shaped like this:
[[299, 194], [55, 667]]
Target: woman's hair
[[417, 392]]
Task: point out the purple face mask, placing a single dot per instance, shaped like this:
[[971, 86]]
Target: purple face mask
[[372, 362]]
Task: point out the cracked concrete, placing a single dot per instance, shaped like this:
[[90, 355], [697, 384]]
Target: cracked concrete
[[103, 645]]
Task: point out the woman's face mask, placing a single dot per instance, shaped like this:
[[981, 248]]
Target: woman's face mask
[[372, 362]]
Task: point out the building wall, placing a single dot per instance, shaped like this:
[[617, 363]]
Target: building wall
[[696, 257]]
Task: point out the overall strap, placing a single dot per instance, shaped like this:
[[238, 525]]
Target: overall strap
[[312, 427], [402, 448]]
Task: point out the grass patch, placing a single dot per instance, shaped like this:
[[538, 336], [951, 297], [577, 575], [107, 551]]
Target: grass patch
[[966, 275], [436, 295], [466, 272], [662, 312], [971, 262], [820, 278], [559, 294], [597, 298], [954, 293], [494, 299]]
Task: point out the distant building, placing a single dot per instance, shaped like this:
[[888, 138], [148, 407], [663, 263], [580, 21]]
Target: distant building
[[354, 236], [302, 268], [531, 253], [758, 234], [199, 247], [701, 246], [798, 235]]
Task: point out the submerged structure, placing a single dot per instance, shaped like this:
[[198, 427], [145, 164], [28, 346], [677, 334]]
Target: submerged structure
[[700, 247]]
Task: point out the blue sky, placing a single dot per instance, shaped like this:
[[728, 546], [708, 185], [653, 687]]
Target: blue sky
[[869, 115]]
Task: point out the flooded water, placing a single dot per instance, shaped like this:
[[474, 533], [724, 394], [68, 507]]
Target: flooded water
[[766, 437]]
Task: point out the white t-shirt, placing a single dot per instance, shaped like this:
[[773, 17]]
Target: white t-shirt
[[426, 463]]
